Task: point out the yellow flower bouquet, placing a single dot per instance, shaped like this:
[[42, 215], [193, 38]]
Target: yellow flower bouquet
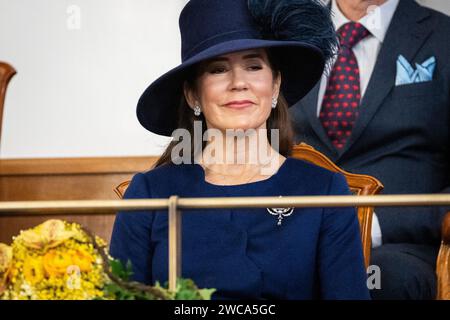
[[58, 260]]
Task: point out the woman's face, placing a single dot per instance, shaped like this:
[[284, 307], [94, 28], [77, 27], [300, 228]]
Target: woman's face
[[235, 90]]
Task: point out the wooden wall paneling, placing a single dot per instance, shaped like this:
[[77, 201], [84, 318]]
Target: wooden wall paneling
[[65, 179]]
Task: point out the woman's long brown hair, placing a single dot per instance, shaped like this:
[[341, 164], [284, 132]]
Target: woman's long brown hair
[[278, 119]]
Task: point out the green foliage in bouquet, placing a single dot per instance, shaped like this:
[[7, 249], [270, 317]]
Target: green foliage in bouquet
[[60, 260], [122, 289]]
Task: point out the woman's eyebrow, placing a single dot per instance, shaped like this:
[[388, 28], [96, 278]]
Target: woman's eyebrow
[[247, 56], [252, 56]]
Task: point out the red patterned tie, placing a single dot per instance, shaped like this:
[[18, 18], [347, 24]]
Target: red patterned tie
[[342, 96]]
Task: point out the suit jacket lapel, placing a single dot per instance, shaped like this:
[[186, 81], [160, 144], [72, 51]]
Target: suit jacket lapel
[[407, 32], [309, 105]]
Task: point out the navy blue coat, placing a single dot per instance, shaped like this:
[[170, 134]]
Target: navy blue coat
[[402, 136], [314, 253]]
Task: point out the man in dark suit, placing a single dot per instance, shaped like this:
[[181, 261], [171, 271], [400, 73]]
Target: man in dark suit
[[383, 109]]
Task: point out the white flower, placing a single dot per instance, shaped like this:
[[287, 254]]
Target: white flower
[[26, 290]]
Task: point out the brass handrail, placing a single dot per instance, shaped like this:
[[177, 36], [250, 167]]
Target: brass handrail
[[102, 206], [175, 204]]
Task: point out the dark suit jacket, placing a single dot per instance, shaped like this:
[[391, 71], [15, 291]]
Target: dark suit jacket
[[402, 134]]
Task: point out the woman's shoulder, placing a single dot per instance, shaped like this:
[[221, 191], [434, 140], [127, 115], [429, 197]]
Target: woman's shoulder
[[167, 176], [305, 168], [314, 177], [165, 170]]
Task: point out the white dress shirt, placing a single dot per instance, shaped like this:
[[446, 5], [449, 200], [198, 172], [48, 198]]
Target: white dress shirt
[[366, 51]]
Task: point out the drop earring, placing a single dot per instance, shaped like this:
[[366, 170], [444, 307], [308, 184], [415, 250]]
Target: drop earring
[[274, 103], [197, 110]]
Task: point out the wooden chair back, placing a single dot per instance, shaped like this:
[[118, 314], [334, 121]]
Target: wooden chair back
[[359, 184], [6, 73]]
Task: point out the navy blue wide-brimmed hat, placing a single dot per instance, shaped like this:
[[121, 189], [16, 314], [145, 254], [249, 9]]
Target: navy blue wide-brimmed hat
[[299, 33]]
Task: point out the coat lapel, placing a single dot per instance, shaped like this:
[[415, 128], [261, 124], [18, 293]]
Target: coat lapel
[[407, 32]]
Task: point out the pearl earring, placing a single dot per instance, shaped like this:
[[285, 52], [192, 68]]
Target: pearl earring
[[197, 110], [274, 103]]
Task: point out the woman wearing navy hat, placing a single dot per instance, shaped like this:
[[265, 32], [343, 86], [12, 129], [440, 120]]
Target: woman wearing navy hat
[[244, 63]]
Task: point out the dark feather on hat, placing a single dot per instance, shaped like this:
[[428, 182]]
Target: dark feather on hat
[[308, 21]]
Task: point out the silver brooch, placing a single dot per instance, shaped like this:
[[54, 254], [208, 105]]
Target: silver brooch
[[281, 213]]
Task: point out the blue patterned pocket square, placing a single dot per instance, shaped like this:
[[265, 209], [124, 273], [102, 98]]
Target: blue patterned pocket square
[[406, 73]]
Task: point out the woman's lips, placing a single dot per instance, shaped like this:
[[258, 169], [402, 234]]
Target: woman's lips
[[239, 104]]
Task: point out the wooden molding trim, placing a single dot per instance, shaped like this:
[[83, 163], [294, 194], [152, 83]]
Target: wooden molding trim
[[59, 166]]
